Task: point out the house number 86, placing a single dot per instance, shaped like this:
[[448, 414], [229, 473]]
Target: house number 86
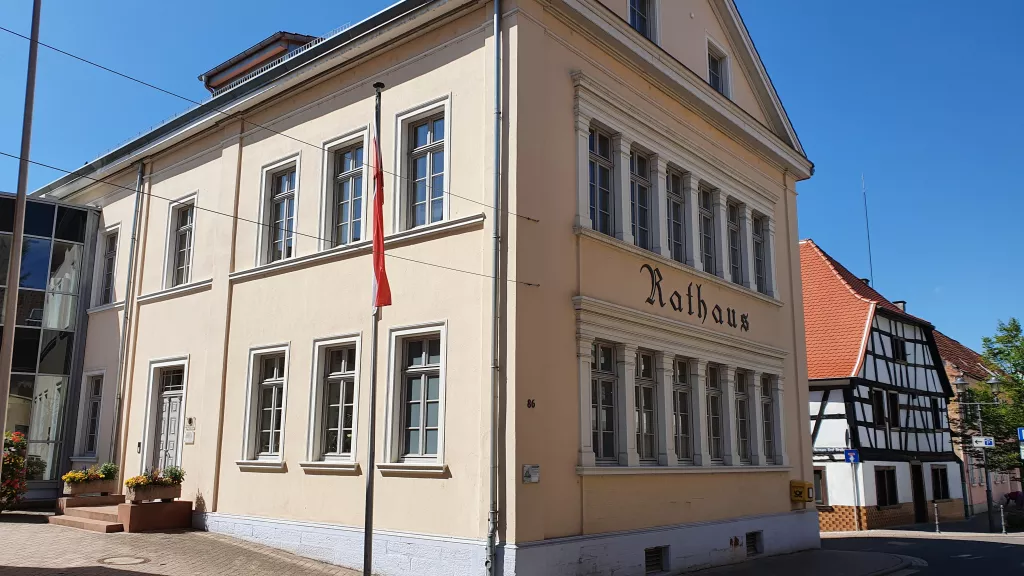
[[531, 403]]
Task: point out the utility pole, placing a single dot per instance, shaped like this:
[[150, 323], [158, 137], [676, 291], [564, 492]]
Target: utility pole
[[14, 261]]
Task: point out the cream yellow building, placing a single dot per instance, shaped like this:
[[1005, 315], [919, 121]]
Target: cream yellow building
[[652, 390]]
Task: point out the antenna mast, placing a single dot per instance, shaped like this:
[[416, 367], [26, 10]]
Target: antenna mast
[[867, 225]]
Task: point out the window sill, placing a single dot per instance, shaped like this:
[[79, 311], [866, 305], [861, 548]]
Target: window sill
[[663, 261], [358, 248], [413, 469], [84, 459], [181, 290], [890, 507], [105, 307], [825, 508], [644, 470], [262, 465], [328, 467]]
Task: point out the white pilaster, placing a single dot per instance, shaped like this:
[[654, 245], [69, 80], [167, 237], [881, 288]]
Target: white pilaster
[[583, 172], [781, 457], [665, 374], [625, 363], [623, 206], [659, 208], [585, 358], [747, 246], [756, 422], [721, 215], [699, 410], [730, 448], [691, 199]]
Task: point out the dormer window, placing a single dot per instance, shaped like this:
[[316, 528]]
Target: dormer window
[[641, 17], [718, 69]]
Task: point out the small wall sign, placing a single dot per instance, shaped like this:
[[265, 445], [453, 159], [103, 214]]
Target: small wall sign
[[531, 473]]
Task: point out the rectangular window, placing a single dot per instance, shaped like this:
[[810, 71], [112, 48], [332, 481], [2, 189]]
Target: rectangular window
[[742, 416], [338, 402], [894, 409], [644, 395], [426, 158], [109, 262], [676, 216], [716, 72], [183, 223], [885, 487], [92, 411], [878, 407], [282, 215], [640, 17], [767, 419], [602, 409], [681, 411], [707, 231], [820, 487], [601, 182], [640, 199], [940, 483], [899, 349], [348, 196], [270, 395], [735, 254], [421, 397], [936, 414], [760, 269], [714, 407]]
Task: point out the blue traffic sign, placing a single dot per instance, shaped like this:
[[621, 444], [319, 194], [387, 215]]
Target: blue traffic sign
[[1020, 434], [852, 456]]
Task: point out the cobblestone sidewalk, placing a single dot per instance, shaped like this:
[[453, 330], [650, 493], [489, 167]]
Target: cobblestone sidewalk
[[33, 548]]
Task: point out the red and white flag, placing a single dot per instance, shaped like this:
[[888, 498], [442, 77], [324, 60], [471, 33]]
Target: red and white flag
[[381, 288]]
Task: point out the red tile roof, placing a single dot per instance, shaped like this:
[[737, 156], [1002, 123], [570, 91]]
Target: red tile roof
[[962, 358], [838, 309]]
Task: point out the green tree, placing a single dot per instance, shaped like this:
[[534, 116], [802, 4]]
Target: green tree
[[1005, 352]]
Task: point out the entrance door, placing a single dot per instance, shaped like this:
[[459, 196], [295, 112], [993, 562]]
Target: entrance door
[[920, 501], [168, 418]]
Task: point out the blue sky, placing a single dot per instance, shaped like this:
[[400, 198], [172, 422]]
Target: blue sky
[[922, 97]]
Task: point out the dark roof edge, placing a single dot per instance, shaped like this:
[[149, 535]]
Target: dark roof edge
[[254, 49], [221, 100]]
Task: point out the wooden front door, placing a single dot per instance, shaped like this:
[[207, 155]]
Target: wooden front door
[[168, 419]]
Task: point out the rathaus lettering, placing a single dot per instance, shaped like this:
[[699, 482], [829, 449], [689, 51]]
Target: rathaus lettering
[[694, 304]]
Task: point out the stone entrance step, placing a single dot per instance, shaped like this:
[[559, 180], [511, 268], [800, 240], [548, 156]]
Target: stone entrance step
[[104, 513], [86, 523]]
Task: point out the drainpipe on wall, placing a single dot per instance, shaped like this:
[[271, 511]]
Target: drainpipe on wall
[[115, 429], [492, 514]]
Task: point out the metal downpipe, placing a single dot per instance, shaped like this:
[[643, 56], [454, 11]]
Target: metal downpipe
[[492, 514]]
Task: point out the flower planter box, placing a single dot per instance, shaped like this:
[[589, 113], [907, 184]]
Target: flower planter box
[[152, 492], [103, 487]]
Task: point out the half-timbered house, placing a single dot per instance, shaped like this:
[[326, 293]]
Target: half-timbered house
[[878, 387]]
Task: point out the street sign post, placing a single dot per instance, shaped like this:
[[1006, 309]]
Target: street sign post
[[983, 441], [851, 456]]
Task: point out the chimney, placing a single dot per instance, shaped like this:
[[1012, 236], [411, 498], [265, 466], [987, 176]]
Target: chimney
[[866, 281], [901, 304]]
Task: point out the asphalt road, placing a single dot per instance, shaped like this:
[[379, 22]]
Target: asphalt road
[[955, 555]]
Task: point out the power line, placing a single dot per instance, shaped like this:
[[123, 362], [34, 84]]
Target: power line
[[198, 103], [241, 219]]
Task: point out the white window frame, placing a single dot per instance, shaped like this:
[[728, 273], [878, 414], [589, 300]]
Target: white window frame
[[713, 393], [653, 11], [101, 270], [769, 420], [318, 376], [361, 137], [81, 442], [742, 416], [636, 182], [595, 159], [682, 384], [735, 241], [170, 252], [719, 52], [263, 232], [403, 168], [708, 238], [676, 195], [651, 383], [396, 355], [250, 443], [152, 405], [762, 280]]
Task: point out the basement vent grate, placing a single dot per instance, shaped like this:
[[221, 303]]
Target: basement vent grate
[[654, 560], [754, 544]]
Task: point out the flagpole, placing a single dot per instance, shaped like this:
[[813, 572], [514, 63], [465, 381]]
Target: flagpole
[[372, 442]]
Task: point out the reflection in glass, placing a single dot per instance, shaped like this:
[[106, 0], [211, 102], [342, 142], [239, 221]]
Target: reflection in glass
[[5, 255], [59, 311], [6, 214], [26, 348], [55, 352], [65, 267], [19, 408], [39, 463], [35, 263], [47, 400], [39, 219], [30, 308], [70, 224]]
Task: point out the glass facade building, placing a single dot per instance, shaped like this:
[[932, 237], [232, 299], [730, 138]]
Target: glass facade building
[[53, 288]]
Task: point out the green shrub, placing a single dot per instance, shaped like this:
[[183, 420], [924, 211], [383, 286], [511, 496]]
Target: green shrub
[[108, 471], [173, 474]]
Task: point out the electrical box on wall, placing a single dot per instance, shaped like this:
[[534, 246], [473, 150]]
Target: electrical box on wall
[[800, 491]]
